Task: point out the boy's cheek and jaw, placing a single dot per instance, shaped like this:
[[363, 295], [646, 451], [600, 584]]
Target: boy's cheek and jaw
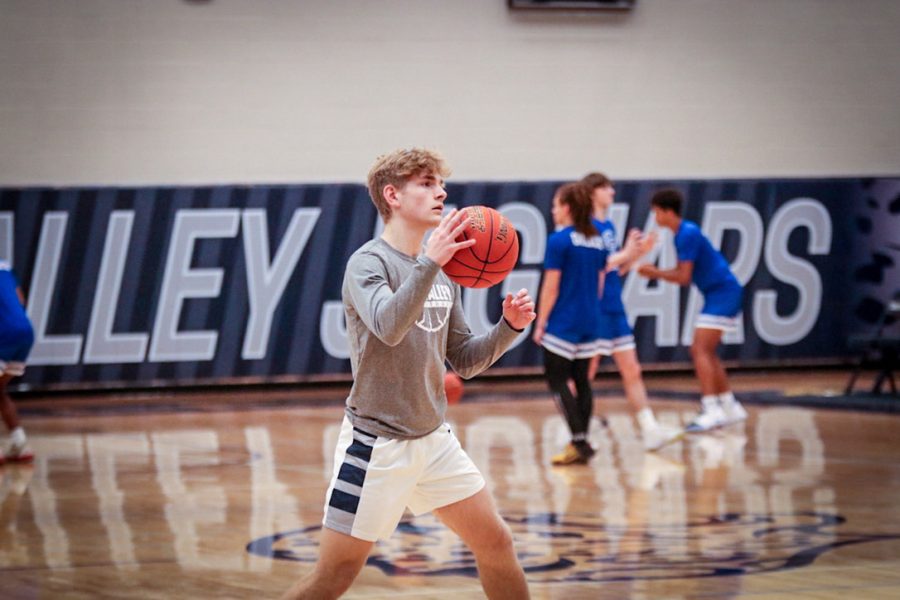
[[662, 218], [425, 205]]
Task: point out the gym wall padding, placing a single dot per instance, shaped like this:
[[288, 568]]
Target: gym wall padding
[[190, 285]]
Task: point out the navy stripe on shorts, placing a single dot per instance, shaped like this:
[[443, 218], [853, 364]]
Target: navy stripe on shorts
[[344, 500]]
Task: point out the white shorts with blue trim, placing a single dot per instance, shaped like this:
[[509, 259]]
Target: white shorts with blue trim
[[571, 350], [616, 333], [376, 478], [17, 342], [715, 322], [12, 367]]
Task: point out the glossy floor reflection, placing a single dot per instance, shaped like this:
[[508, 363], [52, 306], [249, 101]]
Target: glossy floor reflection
[[798, 503]]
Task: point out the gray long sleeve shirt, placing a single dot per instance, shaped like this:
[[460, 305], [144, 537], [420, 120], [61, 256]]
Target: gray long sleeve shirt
[[404, 317]]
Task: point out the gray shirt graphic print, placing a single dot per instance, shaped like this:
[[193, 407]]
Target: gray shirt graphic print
[[404, 318]]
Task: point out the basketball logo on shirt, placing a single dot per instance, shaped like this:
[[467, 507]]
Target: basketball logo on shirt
[[437, 308], [609, 240]]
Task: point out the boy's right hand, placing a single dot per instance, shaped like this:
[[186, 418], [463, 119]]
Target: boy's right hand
[[442, 244]]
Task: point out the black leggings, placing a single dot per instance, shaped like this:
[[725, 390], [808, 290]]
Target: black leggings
[[576, 410]]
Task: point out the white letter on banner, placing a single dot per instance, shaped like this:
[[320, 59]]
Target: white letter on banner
[[6, 236], [181, 282], [530, 224], [717, 218], [660, 301], [102, 345], [532, 228], [618, 214], [59, 349], [771, 327], [266, 282], [333, 329]]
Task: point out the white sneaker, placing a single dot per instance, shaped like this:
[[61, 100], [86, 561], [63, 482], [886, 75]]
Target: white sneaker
[[711, 417], [659, 436], [734, 412], [18, 453]]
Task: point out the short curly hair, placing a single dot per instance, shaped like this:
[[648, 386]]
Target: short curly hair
[[668, 199], [398, 167]]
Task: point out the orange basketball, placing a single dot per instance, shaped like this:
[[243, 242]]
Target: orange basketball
[[494, 254], [453, 386]]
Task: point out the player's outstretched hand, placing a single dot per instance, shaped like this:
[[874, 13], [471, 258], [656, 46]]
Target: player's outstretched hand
[[631, 249], [442, 244], [646, 242], [633, 237], [518, 309]]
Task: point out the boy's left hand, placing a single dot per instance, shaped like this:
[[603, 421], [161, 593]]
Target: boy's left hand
[[518, 310]]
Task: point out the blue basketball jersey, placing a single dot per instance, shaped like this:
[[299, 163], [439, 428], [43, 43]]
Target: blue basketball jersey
[[711, 270], [612, 288], [581, 260], [16, 334]]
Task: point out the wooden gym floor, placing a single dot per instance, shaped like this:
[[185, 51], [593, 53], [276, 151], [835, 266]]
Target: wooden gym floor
[[219, 495]]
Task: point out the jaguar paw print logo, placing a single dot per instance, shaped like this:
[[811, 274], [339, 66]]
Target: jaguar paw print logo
[[583, 548]]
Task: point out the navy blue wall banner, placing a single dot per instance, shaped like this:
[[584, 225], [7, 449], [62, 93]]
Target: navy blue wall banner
[[191, 285]]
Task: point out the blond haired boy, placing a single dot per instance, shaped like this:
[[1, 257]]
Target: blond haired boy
[[404, 320]]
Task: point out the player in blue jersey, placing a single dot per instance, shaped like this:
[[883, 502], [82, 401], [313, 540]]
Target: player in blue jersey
[[617, 336], [16, 339], [568, 324], [699, 262]]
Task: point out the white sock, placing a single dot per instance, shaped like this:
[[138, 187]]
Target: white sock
[[709, 400], [646, 419], [17, 436], [727, 399]]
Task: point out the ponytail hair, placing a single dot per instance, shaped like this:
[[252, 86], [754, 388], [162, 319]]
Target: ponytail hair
[[577, 197]]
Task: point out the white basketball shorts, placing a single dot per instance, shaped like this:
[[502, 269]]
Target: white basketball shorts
[[376, 478]]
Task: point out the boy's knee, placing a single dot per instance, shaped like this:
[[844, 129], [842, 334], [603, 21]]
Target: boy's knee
[[497, 541]]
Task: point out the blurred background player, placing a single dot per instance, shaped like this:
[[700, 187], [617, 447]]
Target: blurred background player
[[617, 335], [699, 262], [16, 339], [568, 323]]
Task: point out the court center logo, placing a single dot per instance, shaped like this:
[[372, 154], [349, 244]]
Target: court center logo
[[583, 548], [437, 308]]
